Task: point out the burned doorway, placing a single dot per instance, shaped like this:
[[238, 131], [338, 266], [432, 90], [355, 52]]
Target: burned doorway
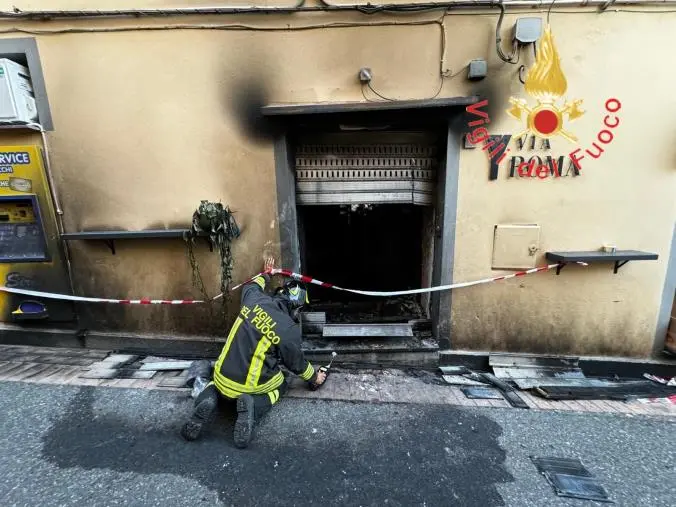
[[372, 124], [366, 210]]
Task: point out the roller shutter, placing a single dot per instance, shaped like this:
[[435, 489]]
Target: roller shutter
[[339, 172]]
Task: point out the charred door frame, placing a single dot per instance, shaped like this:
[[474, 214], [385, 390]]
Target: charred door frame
[[446, 112]]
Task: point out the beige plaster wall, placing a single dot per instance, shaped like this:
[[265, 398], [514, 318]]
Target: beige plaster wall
[[627, 197], [147, 124]]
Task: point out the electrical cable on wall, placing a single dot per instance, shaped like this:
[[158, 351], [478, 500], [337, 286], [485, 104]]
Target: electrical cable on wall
[[48, 165], [368, 85], [443, 72], [290, 28], [384, 98], [522, 68], [498, 40], [325, 6]]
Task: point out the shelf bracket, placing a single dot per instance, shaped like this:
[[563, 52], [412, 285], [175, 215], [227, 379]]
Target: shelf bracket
[[560, 266], [110, 244], [618, 265]]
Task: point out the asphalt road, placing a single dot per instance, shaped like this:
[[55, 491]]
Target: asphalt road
[[79, 446]]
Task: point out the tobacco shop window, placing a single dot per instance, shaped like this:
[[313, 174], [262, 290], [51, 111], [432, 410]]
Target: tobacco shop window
[[23, 95]]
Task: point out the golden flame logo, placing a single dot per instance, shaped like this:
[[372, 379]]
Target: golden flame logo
[[546, 83]]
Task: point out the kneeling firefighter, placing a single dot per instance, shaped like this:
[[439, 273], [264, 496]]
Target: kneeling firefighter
[[265, 335]]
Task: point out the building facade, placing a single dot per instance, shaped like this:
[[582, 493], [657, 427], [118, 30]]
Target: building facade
[[367, 180]]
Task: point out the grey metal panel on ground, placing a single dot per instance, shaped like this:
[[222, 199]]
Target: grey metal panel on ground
[[533, 361], [531, 383], [481, 393], [166, 365], [176, 381], [537, 373], [360, 330], [459, 380], [528, 372], [112, 373], [570, 478]]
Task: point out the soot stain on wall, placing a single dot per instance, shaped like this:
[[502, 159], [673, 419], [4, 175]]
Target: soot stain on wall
[[247, 94], [113, 281], [508, 332]]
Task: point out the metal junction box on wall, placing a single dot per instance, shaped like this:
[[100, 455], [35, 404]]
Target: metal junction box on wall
[[515, 246]]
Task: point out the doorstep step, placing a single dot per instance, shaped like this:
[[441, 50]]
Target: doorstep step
[[366, 330]]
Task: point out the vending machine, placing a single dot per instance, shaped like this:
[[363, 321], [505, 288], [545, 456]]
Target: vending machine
[[31, 254]]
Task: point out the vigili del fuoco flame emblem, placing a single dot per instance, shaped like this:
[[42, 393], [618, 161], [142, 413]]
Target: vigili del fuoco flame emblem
[[546, 83]]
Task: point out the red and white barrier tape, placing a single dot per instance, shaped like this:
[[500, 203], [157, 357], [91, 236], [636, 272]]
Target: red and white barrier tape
[[666, 400], [66, 297], [314, 281], [307, 279], [296, 276]]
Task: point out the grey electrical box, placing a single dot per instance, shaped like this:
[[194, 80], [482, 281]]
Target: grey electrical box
[[477, 70], [527, 30], [515, 246], [365, 75]]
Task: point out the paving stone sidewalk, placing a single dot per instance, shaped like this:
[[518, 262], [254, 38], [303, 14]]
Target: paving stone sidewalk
[[51, 365]]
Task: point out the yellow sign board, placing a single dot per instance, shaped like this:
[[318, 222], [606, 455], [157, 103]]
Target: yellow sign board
[[30, 255]]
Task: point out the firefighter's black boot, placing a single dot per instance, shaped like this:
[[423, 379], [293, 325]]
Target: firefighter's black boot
[[246, 418], [205, 404]]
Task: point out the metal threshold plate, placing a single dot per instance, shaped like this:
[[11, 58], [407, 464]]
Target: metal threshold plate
[[363, 330]]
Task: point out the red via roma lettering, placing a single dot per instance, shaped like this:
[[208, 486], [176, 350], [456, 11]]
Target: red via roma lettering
[[604, 136], [480, 134], [528, 168]]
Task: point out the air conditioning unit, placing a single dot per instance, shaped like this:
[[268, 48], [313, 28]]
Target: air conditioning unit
[[17, 102]]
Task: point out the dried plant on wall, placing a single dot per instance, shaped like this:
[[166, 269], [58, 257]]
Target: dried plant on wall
[[218, 224]]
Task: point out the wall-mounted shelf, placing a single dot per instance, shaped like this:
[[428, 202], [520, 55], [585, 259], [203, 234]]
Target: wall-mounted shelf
[[620, 257], [109, 237]]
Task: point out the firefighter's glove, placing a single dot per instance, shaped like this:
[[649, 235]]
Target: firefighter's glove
[[320, 379]]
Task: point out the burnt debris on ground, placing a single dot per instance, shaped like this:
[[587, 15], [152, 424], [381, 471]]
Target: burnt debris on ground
[[559, 378]]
